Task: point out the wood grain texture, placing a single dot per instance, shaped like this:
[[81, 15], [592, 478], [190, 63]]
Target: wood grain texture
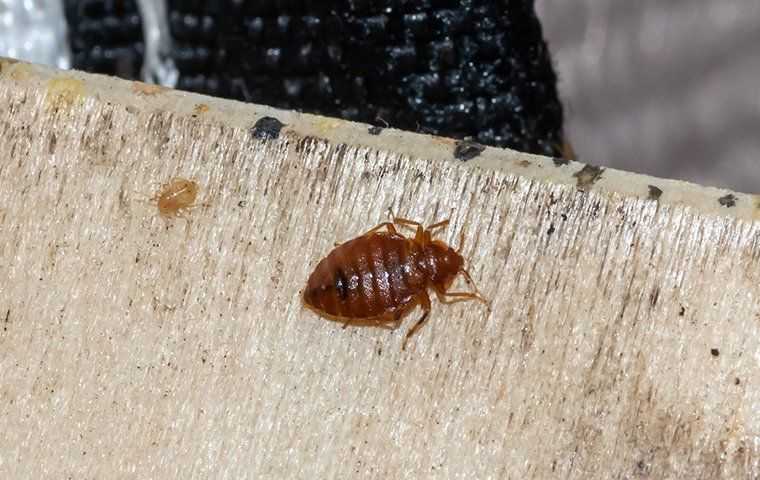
[[622, 341]]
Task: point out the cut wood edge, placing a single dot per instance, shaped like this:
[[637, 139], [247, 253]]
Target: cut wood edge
[[64, 88]]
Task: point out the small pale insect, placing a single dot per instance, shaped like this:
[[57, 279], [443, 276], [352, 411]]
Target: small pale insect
[[176, 197], [378, 277]]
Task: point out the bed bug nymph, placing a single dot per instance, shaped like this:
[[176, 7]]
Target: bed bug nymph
[[176, 196], [374, 279]]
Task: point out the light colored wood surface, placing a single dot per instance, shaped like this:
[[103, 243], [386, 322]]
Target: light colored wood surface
[[622, 342]]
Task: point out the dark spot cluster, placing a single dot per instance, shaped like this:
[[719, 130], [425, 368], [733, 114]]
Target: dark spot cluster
[[728, 201], [374, 130]]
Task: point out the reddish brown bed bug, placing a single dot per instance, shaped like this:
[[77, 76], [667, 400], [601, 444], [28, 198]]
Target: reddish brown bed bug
[[176, 197], [378, 277]]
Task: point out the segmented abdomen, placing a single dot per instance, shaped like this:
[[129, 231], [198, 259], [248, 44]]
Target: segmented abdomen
[[367, 277]]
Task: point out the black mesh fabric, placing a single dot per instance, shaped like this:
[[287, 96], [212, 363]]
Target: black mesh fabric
[[105, 36], [471, 69]]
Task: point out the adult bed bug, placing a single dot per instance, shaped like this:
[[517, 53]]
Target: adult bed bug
[[376, 278]]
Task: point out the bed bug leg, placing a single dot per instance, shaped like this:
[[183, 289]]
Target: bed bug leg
[[408, 223], [423, 235], [454, 297], [460, 248], [387, 225], [397, 319], [419, 235], [393, 320], [436, 226], [389, 322], [424, 300]]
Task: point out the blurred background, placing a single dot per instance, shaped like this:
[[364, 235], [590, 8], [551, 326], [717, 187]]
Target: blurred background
[[670, 89]]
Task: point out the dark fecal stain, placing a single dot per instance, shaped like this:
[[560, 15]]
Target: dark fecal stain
[[587, 176], [714, 352], [267, 127], [558, 162], [595, 209], [654, 296], [654, 193], [374, 130], [642, 468], [467, 150], [52, 143], [728, 201], [737, 381], [551, 230], [682, 311]]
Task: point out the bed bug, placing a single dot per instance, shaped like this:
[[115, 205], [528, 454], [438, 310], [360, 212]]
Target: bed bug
[[176, 196], [378, 277]]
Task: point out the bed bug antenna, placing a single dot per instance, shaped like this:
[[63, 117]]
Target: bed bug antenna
[[461, 242], [476, 295]]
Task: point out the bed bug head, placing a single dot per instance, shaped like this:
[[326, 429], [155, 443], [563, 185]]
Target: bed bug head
[[443, 263]]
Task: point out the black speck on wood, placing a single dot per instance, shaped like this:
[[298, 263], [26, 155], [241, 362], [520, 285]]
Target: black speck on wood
[[266, 128], [466, 150]]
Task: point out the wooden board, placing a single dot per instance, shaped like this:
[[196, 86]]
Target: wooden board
[[622, 341]]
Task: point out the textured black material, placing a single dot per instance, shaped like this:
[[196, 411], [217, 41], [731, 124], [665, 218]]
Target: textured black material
[[466, 68], [105, 36], [472, 69]]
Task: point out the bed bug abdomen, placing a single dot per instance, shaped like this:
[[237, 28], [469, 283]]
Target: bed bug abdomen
[[176, 196], [376, 278], [371, 276]]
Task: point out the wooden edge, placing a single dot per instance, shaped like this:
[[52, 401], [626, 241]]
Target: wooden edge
[[262, 120]]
